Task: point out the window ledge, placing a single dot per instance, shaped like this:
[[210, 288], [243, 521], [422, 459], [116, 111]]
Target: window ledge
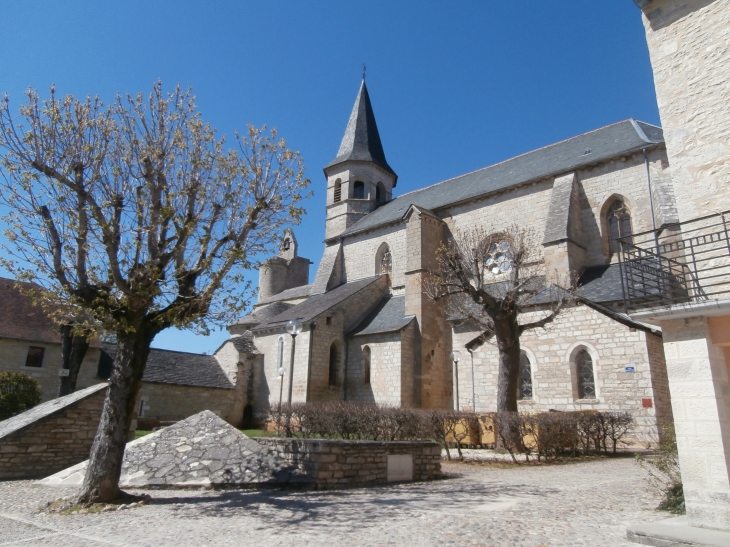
[[587, 401], [526, 401]]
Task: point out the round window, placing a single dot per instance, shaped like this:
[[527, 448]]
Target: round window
[[499, 258]]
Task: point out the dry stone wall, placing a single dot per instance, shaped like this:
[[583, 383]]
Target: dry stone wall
[[51, 436], [336, 463]]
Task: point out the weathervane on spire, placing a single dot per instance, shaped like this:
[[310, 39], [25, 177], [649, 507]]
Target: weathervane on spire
[[364, 68]]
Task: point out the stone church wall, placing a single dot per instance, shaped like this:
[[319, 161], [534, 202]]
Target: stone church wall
[[360, 254], [385, 385], [612, 346], [13, 354]]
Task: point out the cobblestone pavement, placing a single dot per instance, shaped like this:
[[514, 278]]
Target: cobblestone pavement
[[581, 504]]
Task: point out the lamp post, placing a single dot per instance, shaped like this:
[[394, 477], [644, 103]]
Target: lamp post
[[293, 327], [455, 356]]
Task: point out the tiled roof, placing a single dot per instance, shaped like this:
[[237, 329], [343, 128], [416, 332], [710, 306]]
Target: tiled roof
[[562, 157], [361, 141], [244, 343], [182, 369], [388, 316], [21, 320], [319, 303]]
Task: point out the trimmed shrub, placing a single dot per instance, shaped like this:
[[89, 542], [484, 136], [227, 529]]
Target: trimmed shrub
[[18, 393], [545, 435]]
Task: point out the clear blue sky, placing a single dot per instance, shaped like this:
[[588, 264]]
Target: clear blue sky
[[456, 86]]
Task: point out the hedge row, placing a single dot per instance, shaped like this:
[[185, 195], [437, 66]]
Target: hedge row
[[18, 393], [543, 435]]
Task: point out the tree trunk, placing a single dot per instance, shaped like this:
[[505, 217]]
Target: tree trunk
[[73, 351], [101, 483], [508, 342]]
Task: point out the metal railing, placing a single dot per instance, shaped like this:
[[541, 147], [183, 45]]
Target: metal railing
[[677, 264]]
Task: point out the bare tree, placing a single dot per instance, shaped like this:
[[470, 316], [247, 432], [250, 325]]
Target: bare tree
[[138, 214], [497, 281]]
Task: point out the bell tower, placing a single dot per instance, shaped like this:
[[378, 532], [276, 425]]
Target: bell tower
[[359, 179]]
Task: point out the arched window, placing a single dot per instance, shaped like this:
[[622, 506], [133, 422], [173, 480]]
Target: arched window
[[338, 190], [619, 224], [366, 365], [386, 262], [358, 191], [379, 193], [286, 245], [524, 384], [334, 358], [499, 257], [584, 372]]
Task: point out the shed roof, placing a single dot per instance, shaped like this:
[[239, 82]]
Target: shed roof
[[319, 303], [388, 316]]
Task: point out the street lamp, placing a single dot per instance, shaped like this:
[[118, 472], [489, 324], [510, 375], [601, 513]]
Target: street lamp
[[455, 356], [282, 372], [293, 327]]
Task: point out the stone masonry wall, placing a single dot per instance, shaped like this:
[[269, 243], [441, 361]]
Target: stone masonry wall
[[689, 50], [360, 254], [171, 403], [336, 463], [385, 369], [612, 347], [52, 443], [13, 354]]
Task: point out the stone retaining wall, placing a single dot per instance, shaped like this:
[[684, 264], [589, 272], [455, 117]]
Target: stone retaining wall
[[333, 463], [51, 436]]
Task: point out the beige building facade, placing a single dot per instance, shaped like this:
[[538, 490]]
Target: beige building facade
[[689, 47]]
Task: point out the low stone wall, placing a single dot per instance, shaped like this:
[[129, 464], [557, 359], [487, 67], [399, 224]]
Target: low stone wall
[[333, 463], [51, 436]]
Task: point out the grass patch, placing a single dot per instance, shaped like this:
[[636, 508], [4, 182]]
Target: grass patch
[[141, 433], [258, 433]]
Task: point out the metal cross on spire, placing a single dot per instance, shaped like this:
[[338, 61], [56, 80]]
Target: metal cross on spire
[[364, 68]]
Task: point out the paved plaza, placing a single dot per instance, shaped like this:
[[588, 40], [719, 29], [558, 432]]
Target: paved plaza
[[581, 504]]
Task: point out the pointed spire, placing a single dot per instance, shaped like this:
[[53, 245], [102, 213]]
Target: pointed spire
[[362, 140]]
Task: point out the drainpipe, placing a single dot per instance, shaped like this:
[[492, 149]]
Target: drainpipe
[[648, 183], [312, 326], [473, 390], [347, 343]]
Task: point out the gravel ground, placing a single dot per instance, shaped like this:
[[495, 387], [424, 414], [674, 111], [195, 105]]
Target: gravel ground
[[575, 504]]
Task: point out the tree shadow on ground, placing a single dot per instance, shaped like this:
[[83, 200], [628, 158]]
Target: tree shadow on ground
[[367, 506]]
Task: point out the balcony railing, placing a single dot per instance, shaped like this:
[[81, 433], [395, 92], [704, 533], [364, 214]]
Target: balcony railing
[[681, 263]]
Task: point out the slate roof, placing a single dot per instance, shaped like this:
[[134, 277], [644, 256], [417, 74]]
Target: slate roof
[[601, 283], [361, 141], [181, 369], [319, 303], [296, 292], [21, 320], [262, 314], [388, 316], [244, 343], [562, 157]]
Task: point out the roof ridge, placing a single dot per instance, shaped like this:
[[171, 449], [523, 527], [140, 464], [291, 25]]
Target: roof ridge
[[521, 155]]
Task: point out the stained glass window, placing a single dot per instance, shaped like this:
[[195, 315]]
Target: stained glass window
[[619, 225], [499, 258], [524, 386], [386, 262], [586, 380]]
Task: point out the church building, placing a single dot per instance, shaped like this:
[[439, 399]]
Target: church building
[[369, 331]]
